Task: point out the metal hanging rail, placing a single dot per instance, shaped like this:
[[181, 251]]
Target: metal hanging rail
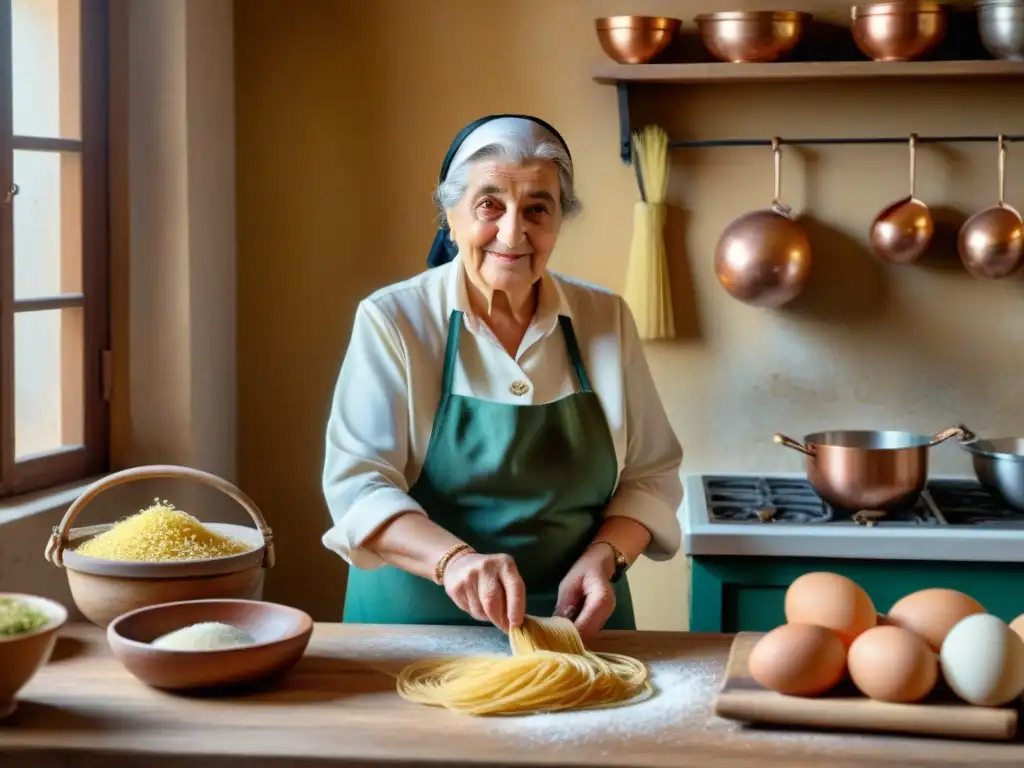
[[626, 142], [708, 143]]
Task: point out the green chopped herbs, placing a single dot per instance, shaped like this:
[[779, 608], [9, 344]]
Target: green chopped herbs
[[18, 617]]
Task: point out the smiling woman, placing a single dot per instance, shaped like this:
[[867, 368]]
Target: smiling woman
[[503, 205], [517, 468]]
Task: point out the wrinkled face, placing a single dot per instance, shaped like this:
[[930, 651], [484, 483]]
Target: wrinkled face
[[506, 224]]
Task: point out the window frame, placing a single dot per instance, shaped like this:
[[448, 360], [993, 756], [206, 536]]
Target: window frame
[[76, 462]]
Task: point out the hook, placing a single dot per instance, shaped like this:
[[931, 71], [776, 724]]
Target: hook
[[913, 163], [777, 152], [1002, 170], [11, 194]]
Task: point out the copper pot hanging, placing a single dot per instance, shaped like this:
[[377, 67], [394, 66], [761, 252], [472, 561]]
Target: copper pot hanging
[[903, 231], [763, 258], [991, 242]]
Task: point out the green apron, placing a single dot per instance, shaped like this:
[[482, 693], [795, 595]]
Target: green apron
[[530, 481]]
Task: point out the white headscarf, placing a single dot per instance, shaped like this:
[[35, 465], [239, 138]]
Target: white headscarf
[[494, 131]]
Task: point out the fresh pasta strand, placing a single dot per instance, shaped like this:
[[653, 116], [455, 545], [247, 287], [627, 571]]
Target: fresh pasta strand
[[549, 671]]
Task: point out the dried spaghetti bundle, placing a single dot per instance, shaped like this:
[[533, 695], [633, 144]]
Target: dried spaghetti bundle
[[648, 292], [549, 670]]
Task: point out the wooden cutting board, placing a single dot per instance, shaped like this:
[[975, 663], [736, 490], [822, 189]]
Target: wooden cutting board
[[743, 699]]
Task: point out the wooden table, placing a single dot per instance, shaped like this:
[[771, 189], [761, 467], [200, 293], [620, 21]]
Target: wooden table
[[338, 707]]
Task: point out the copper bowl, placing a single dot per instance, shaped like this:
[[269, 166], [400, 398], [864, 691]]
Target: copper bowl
[[898, 31], [635, 39], [751, 36]]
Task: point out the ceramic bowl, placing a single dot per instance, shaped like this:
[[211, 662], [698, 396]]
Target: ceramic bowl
[[282, 634], [105, 589], [21, 656]]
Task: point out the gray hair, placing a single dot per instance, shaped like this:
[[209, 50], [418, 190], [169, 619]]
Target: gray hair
[[517, 146]]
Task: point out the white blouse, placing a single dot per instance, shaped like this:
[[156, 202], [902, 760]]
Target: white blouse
[[390, 384]]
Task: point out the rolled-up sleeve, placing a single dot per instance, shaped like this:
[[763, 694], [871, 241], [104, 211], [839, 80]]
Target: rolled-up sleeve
[[367, 439], [650, 490]]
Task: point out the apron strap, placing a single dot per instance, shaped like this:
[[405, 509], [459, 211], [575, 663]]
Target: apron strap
[[451, 353], [574, 353]]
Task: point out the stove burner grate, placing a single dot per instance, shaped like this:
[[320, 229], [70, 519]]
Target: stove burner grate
[[965, 503], [793, 501]]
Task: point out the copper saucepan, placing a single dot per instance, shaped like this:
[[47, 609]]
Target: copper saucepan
[[868, 470]]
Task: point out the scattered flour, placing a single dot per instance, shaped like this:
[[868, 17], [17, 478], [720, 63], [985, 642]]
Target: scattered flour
[[680, 712], [684, 696], [473, 642]]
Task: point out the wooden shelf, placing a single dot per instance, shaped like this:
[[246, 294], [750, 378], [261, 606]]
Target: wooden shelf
[[720, 72], [623, 76]]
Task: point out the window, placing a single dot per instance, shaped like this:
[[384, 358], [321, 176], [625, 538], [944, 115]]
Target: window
[[54, 313]]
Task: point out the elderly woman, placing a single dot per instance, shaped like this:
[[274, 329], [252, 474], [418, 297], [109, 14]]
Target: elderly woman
[[496, 446]]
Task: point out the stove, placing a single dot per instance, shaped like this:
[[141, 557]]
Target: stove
[[780, 515], [968, 504], [791, 501]]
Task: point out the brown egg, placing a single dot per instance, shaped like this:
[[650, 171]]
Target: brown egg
[[931, 613], [892, 664], [798, 660], [1017, 625], [832, 601]]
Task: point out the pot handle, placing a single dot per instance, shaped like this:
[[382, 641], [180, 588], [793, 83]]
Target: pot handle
[[961, 432], [59, 538], [967, 437], [789, 442]]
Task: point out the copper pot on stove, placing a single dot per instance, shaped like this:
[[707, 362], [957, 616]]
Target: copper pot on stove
[[867, 470]]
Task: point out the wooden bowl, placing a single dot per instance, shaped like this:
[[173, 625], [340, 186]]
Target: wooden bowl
[[901, 31], [751, 36], [635, 39], [21, 656], [281, 633], [104, 589]]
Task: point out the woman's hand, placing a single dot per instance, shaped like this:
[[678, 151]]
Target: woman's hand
[[585, 595], [488, 588]]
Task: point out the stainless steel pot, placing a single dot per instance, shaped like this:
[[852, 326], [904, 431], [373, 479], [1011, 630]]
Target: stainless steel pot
[[1001, 28], [999, 466], [859, 470]]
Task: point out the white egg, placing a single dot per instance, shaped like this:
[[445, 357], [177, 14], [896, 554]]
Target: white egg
[[982, 660]]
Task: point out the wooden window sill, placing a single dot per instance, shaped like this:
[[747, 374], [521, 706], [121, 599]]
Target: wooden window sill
[[58, 497]]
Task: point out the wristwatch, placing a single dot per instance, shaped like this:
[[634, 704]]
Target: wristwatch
[[621, 563]]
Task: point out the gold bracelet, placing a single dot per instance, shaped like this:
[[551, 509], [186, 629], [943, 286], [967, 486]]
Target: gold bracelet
[[446, 558], [620, 560]]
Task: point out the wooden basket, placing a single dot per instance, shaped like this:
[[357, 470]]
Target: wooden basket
[[105, 589]]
